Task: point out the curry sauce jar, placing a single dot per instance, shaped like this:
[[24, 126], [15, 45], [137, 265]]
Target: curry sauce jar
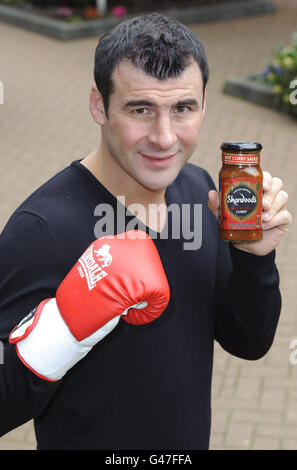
[[240, 186]]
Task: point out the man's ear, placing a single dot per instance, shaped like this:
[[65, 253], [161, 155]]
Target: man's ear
[[204, 103], [96, 106]]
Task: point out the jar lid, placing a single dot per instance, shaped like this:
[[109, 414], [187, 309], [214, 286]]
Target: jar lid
[[247, 146]]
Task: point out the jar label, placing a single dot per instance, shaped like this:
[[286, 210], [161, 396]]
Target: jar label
[[241, 203], [239, 159]]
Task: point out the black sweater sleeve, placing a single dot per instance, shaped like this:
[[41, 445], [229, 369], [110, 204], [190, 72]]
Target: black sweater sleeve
[[248, 302], [29, 273]]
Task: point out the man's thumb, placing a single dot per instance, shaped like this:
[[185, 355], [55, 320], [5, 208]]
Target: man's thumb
[[213, 202]]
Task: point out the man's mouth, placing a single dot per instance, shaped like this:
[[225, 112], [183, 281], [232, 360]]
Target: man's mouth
[[156, 161]]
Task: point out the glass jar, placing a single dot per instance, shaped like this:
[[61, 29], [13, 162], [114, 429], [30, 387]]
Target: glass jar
[[240, 186]]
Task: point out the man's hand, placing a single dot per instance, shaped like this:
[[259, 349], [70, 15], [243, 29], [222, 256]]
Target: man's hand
[[275, 219]]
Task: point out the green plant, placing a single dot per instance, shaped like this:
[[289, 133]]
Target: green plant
[[281, 75], [14, 2]]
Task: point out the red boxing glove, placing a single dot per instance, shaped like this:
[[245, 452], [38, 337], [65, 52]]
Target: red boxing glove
[[109, 278], [118, 276]]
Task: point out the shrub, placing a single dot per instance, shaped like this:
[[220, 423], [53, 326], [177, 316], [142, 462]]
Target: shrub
[[281, 75]]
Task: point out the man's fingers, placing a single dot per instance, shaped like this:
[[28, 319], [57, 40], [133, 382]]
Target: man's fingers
[[278, 203], [267, 181], [275, 186], [213, 202], [282, 220]]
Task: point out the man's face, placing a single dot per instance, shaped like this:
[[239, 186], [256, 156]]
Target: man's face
[[153, 125]]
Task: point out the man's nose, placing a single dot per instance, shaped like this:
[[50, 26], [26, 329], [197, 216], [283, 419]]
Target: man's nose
[[162, 133]]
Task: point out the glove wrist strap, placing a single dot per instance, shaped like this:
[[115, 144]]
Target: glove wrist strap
[[44, 343]]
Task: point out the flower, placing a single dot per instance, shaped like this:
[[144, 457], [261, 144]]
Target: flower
[[119, 10], [271, 72], [280, 74], [277, 89], [65, 11], [288, 63], [286, 98], [91, 13], [289, 50]]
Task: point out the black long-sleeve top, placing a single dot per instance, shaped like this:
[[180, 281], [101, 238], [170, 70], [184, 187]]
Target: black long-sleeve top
[[141, 387]]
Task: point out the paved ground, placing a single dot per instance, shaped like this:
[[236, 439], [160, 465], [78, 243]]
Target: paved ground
[[45, 124]]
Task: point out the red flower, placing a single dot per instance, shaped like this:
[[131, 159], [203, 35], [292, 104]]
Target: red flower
[[119, 10], [91, 13]]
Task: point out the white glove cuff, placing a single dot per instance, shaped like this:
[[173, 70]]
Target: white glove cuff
[[49, 349]]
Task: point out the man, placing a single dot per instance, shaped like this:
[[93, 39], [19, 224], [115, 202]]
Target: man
[[141, 377]]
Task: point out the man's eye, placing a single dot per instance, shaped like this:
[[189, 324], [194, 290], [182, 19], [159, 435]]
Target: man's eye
[[140, 111], [183, 109]]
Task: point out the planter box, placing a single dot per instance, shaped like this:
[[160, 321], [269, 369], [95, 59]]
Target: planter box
[[63, 30], [250, 88]]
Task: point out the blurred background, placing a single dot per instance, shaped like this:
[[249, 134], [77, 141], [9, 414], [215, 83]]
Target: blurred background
[[45, 124]]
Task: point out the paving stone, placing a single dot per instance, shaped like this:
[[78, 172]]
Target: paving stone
[[265, 443], [257, 416], [239, 436], [45, 124], [288, 444]]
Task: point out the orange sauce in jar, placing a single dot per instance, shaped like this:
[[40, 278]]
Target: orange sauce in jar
[[241, 186]]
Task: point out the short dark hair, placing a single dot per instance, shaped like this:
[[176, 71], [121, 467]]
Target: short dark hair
[[162, 47]]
